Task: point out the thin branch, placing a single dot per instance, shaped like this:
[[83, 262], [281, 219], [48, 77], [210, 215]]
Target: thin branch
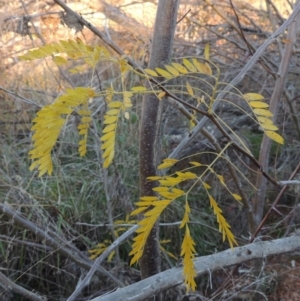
[[11, 286]]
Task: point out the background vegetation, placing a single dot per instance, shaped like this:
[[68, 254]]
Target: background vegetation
[[78, 207]]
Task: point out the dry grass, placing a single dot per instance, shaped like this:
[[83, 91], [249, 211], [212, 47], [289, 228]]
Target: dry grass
[[71, 206]]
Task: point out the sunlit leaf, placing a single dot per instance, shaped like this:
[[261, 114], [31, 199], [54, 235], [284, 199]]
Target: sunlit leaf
[[163, 73], [172, 70], [189, 65], [274, 136], [253, 96], [258, 104], [180, 68], [150, 72], [189, 89], [263, 112]]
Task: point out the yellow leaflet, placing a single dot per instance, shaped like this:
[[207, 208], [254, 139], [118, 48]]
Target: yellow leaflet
[[115, 104], [200, 66], [189, 65], [109, 128], [109, 159], [186, 175], [126, 115], [170, 195], [112, 112], [169, 181], [83, 126], [263, 112], [264, 120], [237, 197], [195, 163], [206, 185], [151, 72], [274, 136], [86, 119], [172, 70], [161, 95], [148, 198], [253, 96], [258, 104], [138, 210], [85, 112], [59, 61], [108, 142], [160, 189], [207, 69], [107, 136], [111, 119], [189, 89], [108, 150], [139, 89], [269, 127], [206, 51], [167, 163], [163, 73], [83, 132], [221, 179], [144, 203], [180, 68], [154, 178]]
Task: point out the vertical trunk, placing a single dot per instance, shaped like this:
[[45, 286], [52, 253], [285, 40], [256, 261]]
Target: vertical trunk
[[162, 42], [264, 156]]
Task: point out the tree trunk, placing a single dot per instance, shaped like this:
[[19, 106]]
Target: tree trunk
[[162, 42]]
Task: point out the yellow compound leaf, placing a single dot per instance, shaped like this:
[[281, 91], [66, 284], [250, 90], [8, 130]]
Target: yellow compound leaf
[[163, 73], [258, 104], [189, 89], [253, 96], [180, 68], [263, 112], [172, 70], [150, 72], [186, 218], [188, 251], [189, 65], [275, 137]]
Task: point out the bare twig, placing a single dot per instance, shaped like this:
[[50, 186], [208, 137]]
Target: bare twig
[[12, 286]]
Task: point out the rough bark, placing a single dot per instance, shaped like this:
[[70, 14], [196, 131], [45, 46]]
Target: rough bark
[[164, 30]]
